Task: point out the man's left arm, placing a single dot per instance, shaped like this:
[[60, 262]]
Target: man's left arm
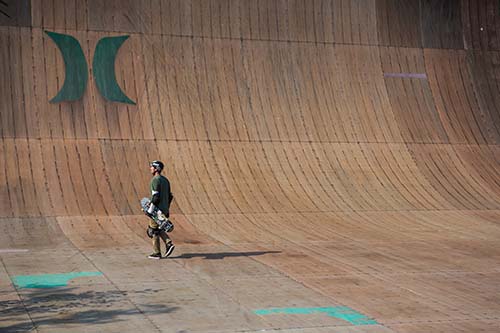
[[155, 191]]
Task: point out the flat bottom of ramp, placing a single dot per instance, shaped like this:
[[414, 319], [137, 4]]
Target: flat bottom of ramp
[[366, 277]]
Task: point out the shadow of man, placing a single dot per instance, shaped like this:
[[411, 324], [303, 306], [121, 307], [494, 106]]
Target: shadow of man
[[222, 255]]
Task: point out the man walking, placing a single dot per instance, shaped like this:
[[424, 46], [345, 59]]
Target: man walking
[[161, 197]]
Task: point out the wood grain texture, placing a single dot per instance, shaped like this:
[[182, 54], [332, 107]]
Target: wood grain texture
[[321, 153]]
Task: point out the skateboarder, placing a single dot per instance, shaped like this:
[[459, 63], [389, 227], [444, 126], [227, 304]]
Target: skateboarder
[[161, 196]]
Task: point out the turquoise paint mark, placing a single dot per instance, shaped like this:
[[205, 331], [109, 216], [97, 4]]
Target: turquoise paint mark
[[75, 65], [49, 280], [104, 69], [341, 312]]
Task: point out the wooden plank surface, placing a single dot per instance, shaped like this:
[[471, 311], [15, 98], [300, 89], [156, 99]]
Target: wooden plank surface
[[5, 202], [446, 30], [322, 153], [29, 106], [7, 115], [398, 23]]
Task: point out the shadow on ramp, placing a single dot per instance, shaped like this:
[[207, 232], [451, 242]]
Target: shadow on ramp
[[55, 307], [222, 255]]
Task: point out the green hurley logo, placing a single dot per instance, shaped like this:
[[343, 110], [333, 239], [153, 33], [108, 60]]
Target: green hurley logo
[[3, 3], [77, 70]]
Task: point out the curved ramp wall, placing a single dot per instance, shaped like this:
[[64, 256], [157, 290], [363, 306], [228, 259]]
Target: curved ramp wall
[[257, 107]]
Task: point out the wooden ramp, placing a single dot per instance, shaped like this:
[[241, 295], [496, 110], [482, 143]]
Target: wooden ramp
[[335, 165]]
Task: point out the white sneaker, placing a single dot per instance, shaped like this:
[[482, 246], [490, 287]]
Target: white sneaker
[[155, 256]]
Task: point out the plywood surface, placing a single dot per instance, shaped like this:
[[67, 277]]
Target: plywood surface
[[323, 154]]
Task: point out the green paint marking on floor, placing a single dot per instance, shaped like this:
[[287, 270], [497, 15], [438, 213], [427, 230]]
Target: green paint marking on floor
[[341, 312], [49, 280]]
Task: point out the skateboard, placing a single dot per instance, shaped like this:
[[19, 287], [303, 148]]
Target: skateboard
[[161, 220]]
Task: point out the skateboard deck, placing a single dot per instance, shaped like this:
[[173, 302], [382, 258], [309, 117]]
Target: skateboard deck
[[157, 215]]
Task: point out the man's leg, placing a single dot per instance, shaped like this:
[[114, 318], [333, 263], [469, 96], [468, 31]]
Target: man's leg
[[169, 246], [165, 237], [156, 242]]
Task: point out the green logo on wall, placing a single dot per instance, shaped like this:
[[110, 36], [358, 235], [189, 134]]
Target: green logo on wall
[[77, 70]]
